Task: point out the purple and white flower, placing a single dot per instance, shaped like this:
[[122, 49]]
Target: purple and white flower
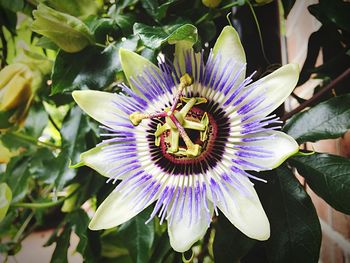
[[184, 136]]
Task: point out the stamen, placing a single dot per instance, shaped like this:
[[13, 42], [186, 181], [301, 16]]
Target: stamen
[[192, 149], [185, 81]]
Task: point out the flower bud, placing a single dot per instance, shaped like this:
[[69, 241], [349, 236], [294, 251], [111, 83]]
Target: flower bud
[[262, 2], [76, 7], [15, 86], [6, 154], [211, 3], [68, 32], [18, 84]]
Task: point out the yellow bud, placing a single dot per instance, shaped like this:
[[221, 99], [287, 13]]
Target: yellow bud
[[211, 3], [15, 86], [262, 2], [6, 154]]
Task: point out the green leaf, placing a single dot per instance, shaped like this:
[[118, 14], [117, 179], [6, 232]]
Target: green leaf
[[287, 6], [125, 22], [230, 244], [8, 19], [332, 11], [18, 177], [328, 176], [162, 249], [138, 237], [36, 120], [62, 244], [92, 68], [101, 27], [41, 165], [73, 132], [154, 37], [79, 221], [13, 5], [5, 199], [155, 10], [47, 43], [329, 119], [295, 228]]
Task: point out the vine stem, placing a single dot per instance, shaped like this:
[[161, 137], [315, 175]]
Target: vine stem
[[318, 95], [34, 141], [23, 227], [44, 205]]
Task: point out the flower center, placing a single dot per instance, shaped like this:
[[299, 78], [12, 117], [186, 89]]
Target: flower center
[[201, 129], [190, 136], [178, 121]]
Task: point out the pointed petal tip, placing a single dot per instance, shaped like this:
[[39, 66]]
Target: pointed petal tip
[[93, 226], [123, 52]]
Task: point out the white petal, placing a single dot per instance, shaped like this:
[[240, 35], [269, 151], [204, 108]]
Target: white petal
[[114, 211], [229, 47], [99, 105], [245, 211], [134, 65], [184, 232], [275, 87], [95, 159], [280, 146]]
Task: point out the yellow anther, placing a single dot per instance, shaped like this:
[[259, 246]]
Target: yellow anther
[[199, 100], [185, 81], [136, 117], [194, 150]]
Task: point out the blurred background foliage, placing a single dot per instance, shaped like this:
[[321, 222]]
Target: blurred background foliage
[[49, 48]]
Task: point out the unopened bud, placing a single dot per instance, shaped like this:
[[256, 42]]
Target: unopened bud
[[15, 86], [262, 2], [68, 32], [211, 3], [76, 7]]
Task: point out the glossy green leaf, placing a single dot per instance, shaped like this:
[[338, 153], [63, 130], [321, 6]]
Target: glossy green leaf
[[154, 37], [36, 120], [138, 237], [13, 5], [230, 244], [79, 221], [92, 68], [18, 177], [156, 10], [125, 22], [295, 228], [41, 165], [5, 199], [101, 27], [332, 11], [329, 119], [73, 132], [62, 244], [162, 249], [328, 176]]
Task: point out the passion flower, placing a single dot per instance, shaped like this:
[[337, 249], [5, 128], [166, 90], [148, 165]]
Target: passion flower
[[184, 136]]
